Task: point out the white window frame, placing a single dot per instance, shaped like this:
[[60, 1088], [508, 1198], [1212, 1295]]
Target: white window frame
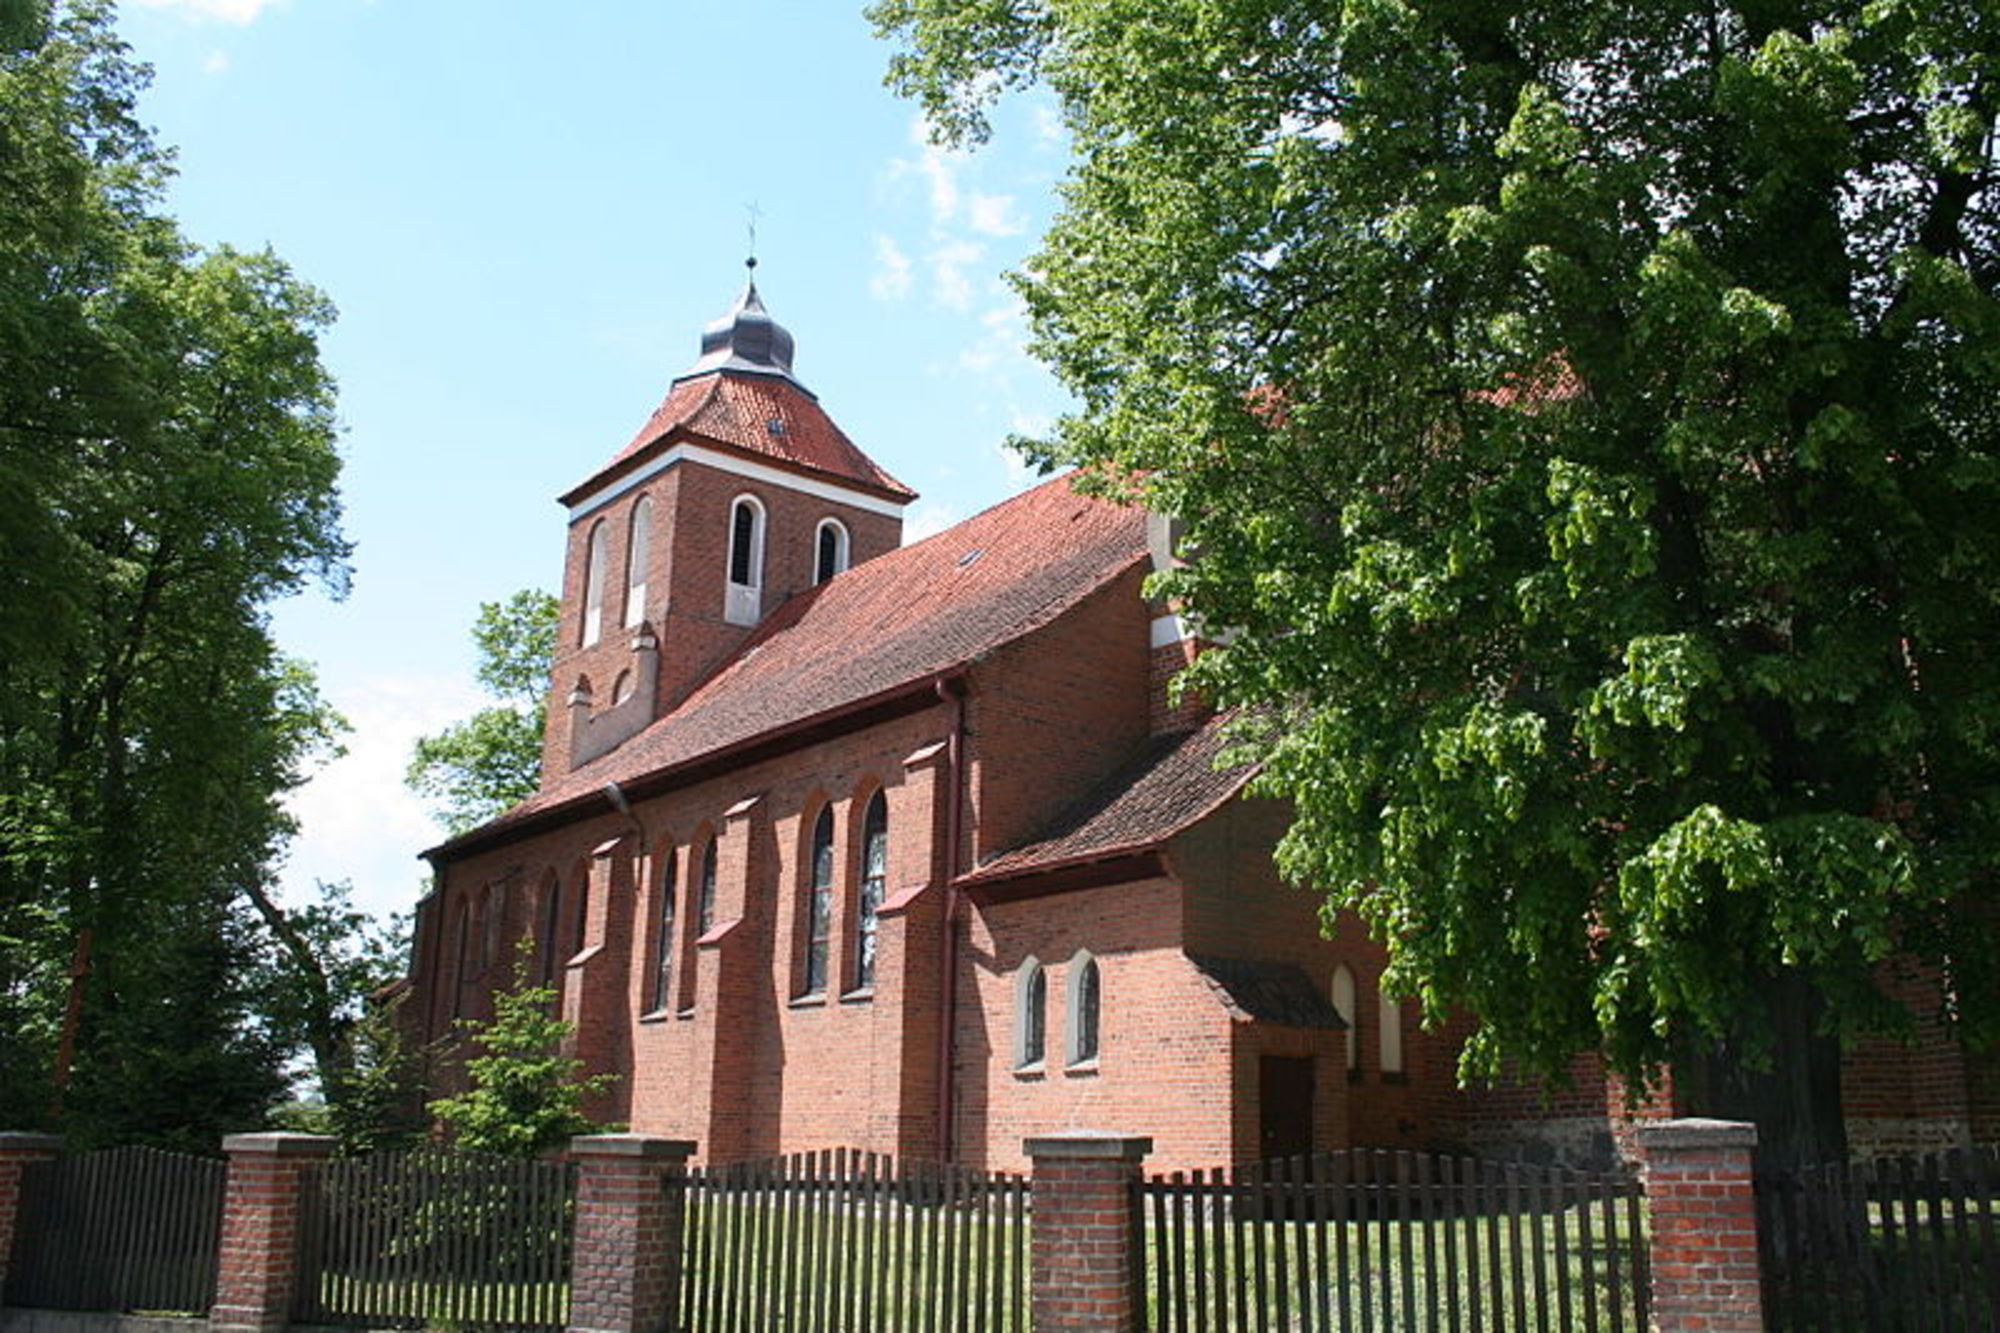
[[743, 603], [843, 548]]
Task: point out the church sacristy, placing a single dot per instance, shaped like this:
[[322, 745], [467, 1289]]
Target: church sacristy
[[846, 842]]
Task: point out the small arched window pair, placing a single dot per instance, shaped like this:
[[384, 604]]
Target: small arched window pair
[[1031, 997]]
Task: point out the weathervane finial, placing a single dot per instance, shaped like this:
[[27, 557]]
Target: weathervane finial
[[755, 213]]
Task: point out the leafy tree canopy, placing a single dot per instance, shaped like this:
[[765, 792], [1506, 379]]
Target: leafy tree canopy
[[167, 469], [474, 769], [1587, 417]]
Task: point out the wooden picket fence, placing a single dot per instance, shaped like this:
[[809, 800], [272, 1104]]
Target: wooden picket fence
[[846, 1240], [1376, 1240], [429, 1237], [118, 1230], [1905, 1244]]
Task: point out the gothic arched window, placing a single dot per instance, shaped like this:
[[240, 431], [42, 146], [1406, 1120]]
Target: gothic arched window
[[830, 550], [1086, 1001], [874, 883], [819, 903], [1031, 1020]]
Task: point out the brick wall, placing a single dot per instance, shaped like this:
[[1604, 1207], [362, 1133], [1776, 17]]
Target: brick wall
[[1703, 1216], [260, 1227], [1165, 1046]]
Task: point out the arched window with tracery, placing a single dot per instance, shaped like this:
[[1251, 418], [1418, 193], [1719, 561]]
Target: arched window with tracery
[[874, 886], [819, 903]]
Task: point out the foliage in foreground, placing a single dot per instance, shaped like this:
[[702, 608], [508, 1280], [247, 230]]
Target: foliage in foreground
[[526, 1096], [1584, 412]]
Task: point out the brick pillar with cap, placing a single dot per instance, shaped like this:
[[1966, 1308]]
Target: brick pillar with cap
[[1084, 1262], [16, 1151], [631, 1211], [260, 1228], [1703, 1205]]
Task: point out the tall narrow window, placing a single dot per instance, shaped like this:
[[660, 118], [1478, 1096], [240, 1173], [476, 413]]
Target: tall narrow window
[[1392, 1034], [819, 903], [663, 956], [580, 912], [593, 584], [549, 945], [874, 880], [638, 542], [1343, 1004], [463, 972], [1085, 1001], [705, 912], [743, 602], [1031, 1022], [831, 555]]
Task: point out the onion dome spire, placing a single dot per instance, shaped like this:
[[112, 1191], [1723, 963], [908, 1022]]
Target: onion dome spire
[[746, 341]]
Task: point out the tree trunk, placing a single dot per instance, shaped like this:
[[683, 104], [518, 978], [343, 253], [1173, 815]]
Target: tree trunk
[[1793, 1097]]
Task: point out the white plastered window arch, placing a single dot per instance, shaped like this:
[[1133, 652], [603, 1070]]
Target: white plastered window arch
[[743, 600]]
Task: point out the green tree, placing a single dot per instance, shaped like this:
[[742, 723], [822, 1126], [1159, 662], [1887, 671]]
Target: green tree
[[167, 469], [321, 987], [526, 1096], [1584, 415], [477, 768]]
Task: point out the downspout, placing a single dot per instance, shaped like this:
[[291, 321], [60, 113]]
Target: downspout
[[951, 691]]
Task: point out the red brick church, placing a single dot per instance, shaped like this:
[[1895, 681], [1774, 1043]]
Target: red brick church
[[846, 842]]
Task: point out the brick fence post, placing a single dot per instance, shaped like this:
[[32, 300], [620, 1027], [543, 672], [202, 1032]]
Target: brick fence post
[[631, 1211], [1083, 1266], [16, 1151], [260, 1228], [1704, 1226]]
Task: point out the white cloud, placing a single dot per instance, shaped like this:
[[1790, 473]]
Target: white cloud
[[217, 62], [951, 285], [928, 520], [891, 280], [238, 12], [993, 215], [357, 821]]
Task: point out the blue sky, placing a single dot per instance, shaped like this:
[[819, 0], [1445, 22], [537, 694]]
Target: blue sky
[[526, 214]]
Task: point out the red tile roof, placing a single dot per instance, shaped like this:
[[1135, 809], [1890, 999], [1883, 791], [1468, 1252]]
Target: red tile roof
[[1166, 787], [896, 621], [735, 412]]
